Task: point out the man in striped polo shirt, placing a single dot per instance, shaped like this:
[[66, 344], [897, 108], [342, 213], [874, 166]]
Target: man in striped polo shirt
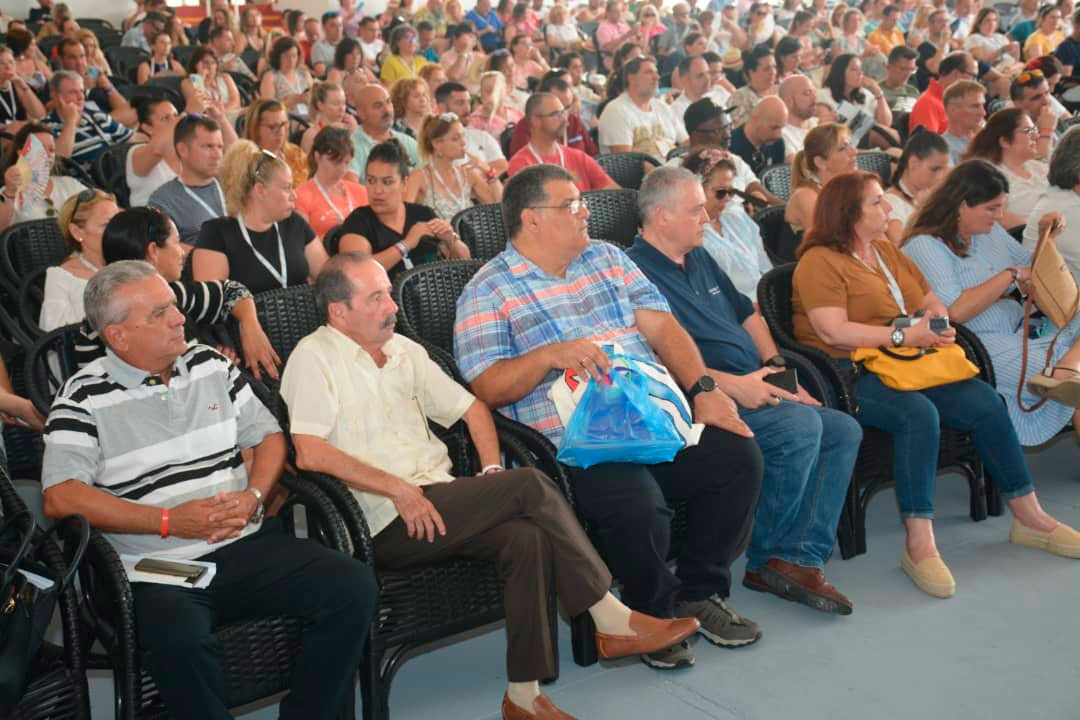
[[145, 442], [82, 129]]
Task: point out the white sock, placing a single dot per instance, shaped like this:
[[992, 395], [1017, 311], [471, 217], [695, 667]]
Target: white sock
[[522, 694], [611, 616]]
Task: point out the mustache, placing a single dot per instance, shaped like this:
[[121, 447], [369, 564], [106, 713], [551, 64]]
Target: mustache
[[388, 323]]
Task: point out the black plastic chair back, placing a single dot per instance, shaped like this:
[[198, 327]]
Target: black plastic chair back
[[426, 297], [31, 298], [111, 171], [164, 88], [50, 362], [245, 86], [287, 316], [125, 61], [613, 216], [481, 228], [29, 246], [777, 180], [627, 168], [779, 239], [183, 53], [876, 161]]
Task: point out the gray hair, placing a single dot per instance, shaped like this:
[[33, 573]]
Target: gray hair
[[1065, 162], [333, 285], [660, 188], [525, 190], [60, 76], [102, 309]]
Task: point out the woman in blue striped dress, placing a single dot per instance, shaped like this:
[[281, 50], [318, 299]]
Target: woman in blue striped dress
[[973, 264]]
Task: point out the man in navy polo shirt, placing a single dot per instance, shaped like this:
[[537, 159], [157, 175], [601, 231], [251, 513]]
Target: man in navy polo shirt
[[809, 450], [760, 142]]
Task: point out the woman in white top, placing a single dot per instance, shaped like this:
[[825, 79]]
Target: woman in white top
[[19, 202], [988, 45], [206, 85], [923, 163], [442, 184], [288, 81], [161, 62], [1008, 140], [561, 32], [82, 221], [731, 237], [152, 162], [16, 97], [847, 86]]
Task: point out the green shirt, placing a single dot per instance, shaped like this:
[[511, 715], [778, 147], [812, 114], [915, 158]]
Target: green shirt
[[901, 99]]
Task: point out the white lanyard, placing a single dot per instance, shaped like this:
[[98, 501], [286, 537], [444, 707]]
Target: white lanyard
[[281, 276], [558, 151], [462, 197], [209, 210], [326, 197], [91, 266], [893, 287], [14, 107]]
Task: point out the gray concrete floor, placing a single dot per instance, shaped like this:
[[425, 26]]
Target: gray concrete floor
[[1003, 647]]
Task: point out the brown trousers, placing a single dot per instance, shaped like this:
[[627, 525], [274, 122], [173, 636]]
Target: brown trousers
[[519, 520]]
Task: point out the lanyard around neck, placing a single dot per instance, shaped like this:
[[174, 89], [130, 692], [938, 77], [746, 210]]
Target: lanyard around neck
[[326, 197], [540, 160], [282, 276], [894, 287], [209, 210]]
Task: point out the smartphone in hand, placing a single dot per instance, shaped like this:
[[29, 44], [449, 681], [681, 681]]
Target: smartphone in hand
[[786, 380]]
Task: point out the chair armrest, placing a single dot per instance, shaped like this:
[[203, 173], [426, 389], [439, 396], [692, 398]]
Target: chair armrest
[[325, 523], [811, 379], [976, 352], [541, 449], [349, 509]]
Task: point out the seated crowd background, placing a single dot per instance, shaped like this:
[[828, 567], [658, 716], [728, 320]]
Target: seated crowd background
[[190, 168]]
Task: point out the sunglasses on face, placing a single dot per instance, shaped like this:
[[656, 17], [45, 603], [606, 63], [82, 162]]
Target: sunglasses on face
[[721, 193]]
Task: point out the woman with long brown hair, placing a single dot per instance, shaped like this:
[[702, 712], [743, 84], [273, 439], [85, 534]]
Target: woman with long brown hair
[[1008, 141], [827, 152], [848, 287]]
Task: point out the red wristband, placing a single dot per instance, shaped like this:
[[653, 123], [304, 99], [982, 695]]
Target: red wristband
[[165, 522]]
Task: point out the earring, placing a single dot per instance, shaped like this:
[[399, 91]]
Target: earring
[[438, 154]]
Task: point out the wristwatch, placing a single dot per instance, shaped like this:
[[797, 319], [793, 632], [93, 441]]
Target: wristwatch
[[776, 361], [897, 337], [705, 383], [257, 516]]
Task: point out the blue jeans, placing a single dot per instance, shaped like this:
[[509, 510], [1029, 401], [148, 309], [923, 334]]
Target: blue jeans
[[809, 455], [914, 419]]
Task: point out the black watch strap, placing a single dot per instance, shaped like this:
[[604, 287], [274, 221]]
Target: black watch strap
[[776, 361]]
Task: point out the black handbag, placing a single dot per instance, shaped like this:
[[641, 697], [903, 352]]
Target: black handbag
[[26, 609]]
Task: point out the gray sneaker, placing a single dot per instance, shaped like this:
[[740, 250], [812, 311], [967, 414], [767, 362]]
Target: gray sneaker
[[677, 656], [719, 623]]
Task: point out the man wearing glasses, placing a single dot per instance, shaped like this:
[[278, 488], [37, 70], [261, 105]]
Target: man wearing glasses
[[546, 118], [82, 129], [539, 309], [1030, 92], [929, 110], [672, 37], [139, 36]]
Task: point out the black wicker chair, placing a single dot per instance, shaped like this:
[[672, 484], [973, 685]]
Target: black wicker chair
[[876, 161], [29, 301], [110, 170], [28, 246], [779, 239], [777, 180], [481, 228], [627, 168], [22, 446], [57, 689], [873, 467], [166, 87], [245, 86], [125, 61], [418, 606], [49, 363], [613, 216]]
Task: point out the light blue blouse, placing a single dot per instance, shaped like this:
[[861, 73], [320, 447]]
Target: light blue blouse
[[739, 252]]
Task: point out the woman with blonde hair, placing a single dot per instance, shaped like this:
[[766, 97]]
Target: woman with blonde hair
[[919, 31], [82, 221], [267, 125], [328, 109], [264, 244], [492, 114], [251, 30], [827, 152], [441, 183], [561, 32], [412, 104], [94, 56]]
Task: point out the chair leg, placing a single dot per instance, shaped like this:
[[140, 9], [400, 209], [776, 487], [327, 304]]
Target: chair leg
[[369, 687], [583, 640], [977, 485]]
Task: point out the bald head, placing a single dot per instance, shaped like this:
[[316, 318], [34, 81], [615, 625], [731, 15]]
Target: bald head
[[799, 95], [767, 120], [374, 109]]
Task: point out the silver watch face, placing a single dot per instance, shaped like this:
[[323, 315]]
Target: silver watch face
[[898, 337]]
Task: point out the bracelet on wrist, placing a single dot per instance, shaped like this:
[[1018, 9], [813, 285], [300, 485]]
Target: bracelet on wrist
[[401, 248], [165, 522], [492, 469]]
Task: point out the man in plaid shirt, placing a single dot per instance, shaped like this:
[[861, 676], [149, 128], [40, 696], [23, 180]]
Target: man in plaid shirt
[[541, 307]]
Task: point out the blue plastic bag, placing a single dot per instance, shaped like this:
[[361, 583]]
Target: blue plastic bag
[[621, 422]]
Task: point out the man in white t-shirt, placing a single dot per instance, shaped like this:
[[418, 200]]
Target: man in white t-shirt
[[454, 98], [800, 96], [370, 42], [696, 84], [637, 120]]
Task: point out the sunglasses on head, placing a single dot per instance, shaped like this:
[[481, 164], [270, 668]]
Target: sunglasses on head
[[263, 157], [84, 196], [1030, 77]]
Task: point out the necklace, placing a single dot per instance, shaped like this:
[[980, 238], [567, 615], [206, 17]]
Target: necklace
[[91, 266]]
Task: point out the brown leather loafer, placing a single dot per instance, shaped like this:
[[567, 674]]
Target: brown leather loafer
[[652, 634], [804, 585], [755, 582], [543, 709]]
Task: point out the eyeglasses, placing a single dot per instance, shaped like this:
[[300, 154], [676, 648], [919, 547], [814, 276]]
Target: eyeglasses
[[557, 113], [1028, 130], [1031, 77], [276, 127], [574, 206], [84, 196]]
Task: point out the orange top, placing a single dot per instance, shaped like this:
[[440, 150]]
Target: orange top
[[322, 216]]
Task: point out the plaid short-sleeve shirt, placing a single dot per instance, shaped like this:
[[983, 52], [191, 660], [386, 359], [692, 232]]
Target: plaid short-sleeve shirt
[[512, 307]]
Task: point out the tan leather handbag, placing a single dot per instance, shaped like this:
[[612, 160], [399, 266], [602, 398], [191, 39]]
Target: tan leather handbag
[[1054, 291]]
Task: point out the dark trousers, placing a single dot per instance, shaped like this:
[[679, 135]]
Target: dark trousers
[[268, 573], [626, 506], [519, 520]]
